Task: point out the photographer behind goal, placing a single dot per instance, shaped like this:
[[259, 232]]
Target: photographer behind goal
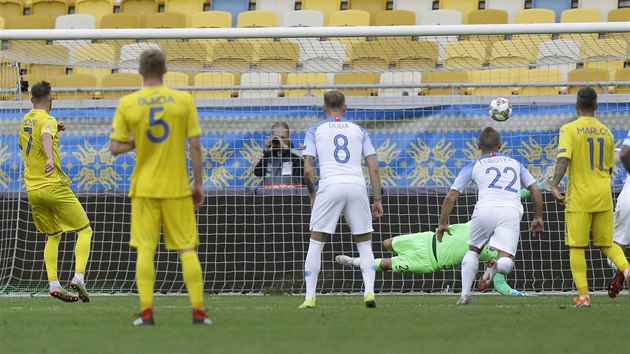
[[281, 166]]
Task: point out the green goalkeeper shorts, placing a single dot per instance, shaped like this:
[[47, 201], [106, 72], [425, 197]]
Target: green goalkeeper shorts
[[414, 253]]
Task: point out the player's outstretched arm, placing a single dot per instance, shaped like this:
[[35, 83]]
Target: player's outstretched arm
[[447, 207], [624, 156], [561, 168], [375, 180], [195, 156]]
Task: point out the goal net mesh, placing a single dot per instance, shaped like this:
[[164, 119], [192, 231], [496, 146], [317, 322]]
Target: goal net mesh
[[423, 99]]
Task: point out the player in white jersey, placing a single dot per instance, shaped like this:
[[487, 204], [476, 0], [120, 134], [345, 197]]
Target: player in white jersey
[[621, 235], [340, 145], [497, 216]]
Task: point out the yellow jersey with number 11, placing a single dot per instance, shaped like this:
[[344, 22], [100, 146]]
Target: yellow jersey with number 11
[[160, 120]]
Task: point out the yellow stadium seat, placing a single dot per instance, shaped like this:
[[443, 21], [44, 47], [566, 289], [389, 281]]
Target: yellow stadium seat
[[513, 53], [29, 80], [131, 81], [591, 76], [619, 15], [370, 55], [10, 9], [96, 8], [492, 76], [29, 22], [415, 55], [120, 20], [534, 16], [622, 75], [233, 56], [463, 6], [257, 18], [357, 80], [9, 79], [450, 79], [277, 56], [212, 19], [141, 8], [306, 79], [176, 79], [94, 59], [49, 8], [540, 75], [166, 20], [77, 82], [485, 17], [580, 15], [395, 18], [185, 56], [464, 55], [609, 54], [214, 79], [349, 18], [187, 7], [1, 23], [373, 7], [324, 6]]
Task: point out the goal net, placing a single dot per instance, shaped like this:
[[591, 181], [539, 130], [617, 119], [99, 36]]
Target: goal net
[[422, 93]]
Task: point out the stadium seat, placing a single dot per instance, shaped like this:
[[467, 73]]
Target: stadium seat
[[141, 8], [349, 18], [49, 8], [96, 8], [303, 18], [512, 53], [75, 21], [533, 16], [185, 56], [510, 6], [622, 75], [306, 79], [395, 18], [131, 80], [581, 15], [557, 6], [610, 54], [130, 53], [494, 76], [57, 58], [257, 18], [233, 56], [441, 17], [212, 19], [419, 7], [213, 79], [1, 22], [321, 56], [559, 54], [370, 56], [540, 75], [94, 59], [29, 80], [449, 78], [604, 6], [373, 7], [259, 79], [176, 79], [412, 80], [77, 82], [591, 76], [463, 6], [619, 15], [324, 6], [120, 20], [27, 22], [278, 56], [484, 17], [234, 7], [186, 7], [357, 80], [280, 7], [10, 9], [166, 20], [415, 55], [464, 55]]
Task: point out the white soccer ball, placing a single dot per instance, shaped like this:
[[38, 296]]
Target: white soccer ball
[[500, 109]]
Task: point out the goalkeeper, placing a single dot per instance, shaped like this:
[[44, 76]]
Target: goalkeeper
[[421, 253]]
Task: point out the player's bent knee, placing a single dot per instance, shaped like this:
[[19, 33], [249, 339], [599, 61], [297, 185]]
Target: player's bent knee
[[388, 244], [505, 265]]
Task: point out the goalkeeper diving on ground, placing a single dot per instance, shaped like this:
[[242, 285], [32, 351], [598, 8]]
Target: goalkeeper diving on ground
[[420, 253]]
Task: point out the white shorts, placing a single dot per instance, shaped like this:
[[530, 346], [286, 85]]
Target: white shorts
[[499, 225], [351, 200], [622, 218]]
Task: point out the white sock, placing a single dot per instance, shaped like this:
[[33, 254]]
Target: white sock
[[312, 265], [79, 277], [504, 265], [612, 265], [356, 262], [366, 259], [54, 283], [470, 265]]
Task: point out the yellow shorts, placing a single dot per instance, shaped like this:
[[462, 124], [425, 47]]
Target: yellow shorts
[[177, 216], [579, 225], [56, 209]]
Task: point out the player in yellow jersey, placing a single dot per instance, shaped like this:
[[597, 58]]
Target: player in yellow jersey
[[55, 208], [586, 151], [157, 122]]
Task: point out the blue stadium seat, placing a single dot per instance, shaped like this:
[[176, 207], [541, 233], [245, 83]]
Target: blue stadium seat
[[234, 7], [556, 5]]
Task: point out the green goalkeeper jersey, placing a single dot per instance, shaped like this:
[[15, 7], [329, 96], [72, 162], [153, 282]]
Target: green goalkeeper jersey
[[451, 251]]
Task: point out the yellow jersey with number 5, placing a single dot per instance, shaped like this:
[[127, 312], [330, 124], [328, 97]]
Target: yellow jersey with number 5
[[32, 126], [589, 145], [160, 120]]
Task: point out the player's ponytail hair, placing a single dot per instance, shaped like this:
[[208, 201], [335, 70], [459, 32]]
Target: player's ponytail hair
[[40, 92], [489, 140], [152, 63]]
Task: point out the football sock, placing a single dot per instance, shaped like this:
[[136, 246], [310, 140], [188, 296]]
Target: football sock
[[615, 253], [82, 249], [577, 259], [470, 265], [54, 283], [377, 264], [312, 265], [79, 277], [611, 264], [500, 285], [504, 265], [51, 250], [191, 270], [366, 259], [145, 277]]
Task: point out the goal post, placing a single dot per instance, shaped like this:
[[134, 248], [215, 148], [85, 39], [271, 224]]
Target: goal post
[[422, 93]]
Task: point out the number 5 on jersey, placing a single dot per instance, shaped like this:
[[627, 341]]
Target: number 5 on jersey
[[153, 111]]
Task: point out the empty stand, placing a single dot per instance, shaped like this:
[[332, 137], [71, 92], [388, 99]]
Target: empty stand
[[306, 79], [372, 7], [463, 6], [10, 9], [464, 55], [257, 18], [49, 8], [141, 8], [176, 79], [321, 56], [395, 18], [411, 81], [442, 17], [130, 53], [280, 7], [415, 55], [75, 21], [419, 7], [96, 8], [120, 20], [557, 6], [231, 56], [186, 7], [212, 19], [303, 18], [260, 79], [622, 75], [208, 79], [604, 6], [82, 85], [559, 54], [324, 6], [513, 53], [94, 59], [356, 80], [131, 81], [591, 75], [234, 7], [509, 6], [349, 18], [451, 81], [540, 76], [278, 56], [166, 20], [494, 76]]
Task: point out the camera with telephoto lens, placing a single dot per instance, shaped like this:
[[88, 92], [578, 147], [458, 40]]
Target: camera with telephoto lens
[[276, 143]]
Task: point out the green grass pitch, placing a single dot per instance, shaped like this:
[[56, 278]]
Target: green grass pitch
[[340, 324]]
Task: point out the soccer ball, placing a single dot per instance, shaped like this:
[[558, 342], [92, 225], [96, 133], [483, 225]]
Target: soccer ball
[[500, 109]]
